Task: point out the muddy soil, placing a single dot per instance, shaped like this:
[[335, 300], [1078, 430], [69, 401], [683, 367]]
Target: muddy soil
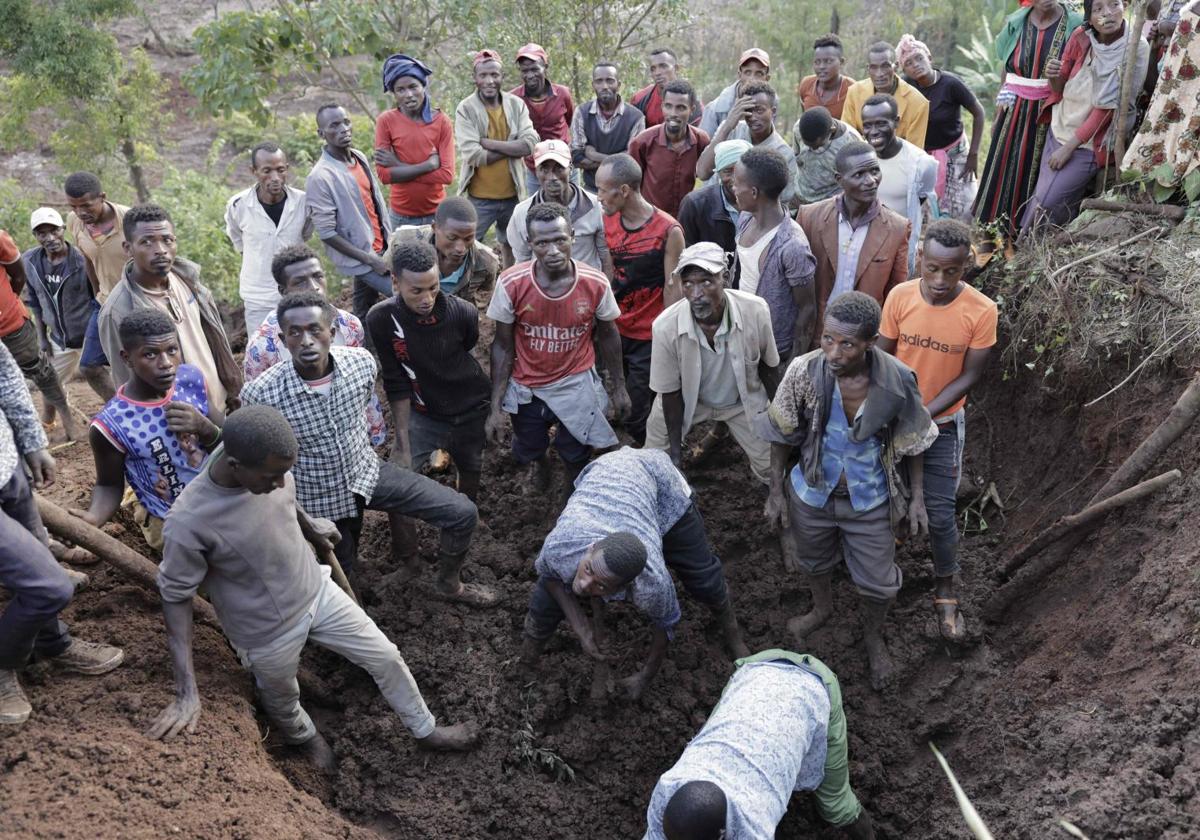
[[1080, 704]]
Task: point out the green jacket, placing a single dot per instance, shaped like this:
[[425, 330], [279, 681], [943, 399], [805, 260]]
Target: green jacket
[[1006, 41], [836, 802]]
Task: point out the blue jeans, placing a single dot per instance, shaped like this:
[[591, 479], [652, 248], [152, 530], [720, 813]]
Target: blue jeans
[[93, 351], [943, 467], [461, 436], [407, 221], [39, 586], [686, 551], [368, 288], [493, 211]]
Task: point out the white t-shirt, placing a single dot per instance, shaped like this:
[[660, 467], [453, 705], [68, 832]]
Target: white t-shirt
[[898, 172], [748, 259]]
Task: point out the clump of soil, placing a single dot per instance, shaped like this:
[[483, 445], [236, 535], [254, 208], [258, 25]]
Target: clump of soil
[[1080, 704]]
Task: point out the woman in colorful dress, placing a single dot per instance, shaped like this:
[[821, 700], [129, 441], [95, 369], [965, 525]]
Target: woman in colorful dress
[[1032, 36], [1167, 148]]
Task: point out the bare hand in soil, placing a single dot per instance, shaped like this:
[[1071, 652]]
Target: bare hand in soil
[[588, 642], [776, 510], [460, 737], [183, 713], [632, 687], [41, 467], [493, 427], [918, 517], [620, 404]]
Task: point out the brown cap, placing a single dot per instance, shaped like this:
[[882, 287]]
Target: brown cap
[[756, 54]]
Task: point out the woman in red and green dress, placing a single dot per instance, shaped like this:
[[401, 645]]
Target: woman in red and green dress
[[1032, 36]]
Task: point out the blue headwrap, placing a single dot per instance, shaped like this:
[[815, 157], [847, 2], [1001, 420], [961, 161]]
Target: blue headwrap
[[402, 65]]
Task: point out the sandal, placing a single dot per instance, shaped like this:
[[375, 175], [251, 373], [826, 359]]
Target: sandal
[[953, 629]]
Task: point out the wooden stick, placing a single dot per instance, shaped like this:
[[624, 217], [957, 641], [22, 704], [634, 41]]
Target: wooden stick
[[1067, 524], [1166, 211], [120, 556], [339, 575]]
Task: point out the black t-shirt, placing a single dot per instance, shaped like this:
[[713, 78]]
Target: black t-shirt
[[52, 275], [947, 97], [275, 211]]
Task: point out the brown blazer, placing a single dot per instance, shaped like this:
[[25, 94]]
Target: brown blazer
[[882, 264]]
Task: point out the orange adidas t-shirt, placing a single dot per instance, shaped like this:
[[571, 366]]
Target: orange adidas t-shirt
[[933, 340]]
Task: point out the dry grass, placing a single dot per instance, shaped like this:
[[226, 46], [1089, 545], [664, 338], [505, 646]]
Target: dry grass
[[1091, 307]]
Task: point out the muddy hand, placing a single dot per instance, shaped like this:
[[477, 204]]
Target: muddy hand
[[183, 713], [776, 510]]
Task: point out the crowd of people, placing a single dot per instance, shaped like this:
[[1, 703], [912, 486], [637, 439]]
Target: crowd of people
[[662, 265]]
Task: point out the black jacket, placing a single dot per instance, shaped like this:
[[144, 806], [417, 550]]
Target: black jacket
[[66, 313], [703, 219]]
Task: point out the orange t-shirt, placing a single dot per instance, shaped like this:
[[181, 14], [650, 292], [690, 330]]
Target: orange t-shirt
[[368, 198], [933, 340], [12, 311]]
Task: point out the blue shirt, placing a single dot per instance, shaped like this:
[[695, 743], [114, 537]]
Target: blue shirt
[[860, 462], [451, 283]]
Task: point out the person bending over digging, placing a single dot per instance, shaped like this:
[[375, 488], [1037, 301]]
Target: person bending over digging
[[856, 414], [630, 520], [324, 394], [238, 530], [944, 329], [778, 728], [157, 430]]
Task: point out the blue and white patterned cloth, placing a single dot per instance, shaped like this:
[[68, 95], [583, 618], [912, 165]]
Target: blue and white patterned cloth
[[634, 490], [158, 462], [766, 738], [861, 462], [20, 430], [336, 460]]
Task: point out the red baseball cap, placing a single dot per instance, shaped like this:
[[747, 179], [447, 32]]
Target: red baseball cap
[[758, 55], [533, 51]]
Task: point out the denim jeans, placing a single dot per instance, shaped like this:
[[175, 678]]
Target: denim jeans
[[408, 221], [461, 436], [635, 354], [93, 351], [368, 288], [337, 623], [943, 468], [686, 551], [39, 586], [493, 211], [412, 494]]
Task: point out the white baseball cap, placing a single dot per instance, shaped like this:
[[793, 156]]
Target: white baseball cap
[[44, 216], [555, 150]]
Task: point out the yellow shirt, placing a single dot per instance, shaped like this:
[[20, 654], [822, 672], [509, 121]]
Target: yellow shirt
[[495, 179], [914, 109], [105, 252]]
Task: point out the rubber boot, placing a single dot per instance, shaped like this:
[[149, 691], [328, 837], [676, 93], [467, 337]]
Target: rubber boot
[[874, 613], [468, 484], [729, 628], [14, 705], [451, 587], [405, 555], [571, 472], [822, 594]]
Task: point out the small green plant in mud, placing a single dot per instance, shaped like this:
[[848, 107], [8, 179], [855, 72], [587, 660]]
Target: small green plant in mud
[[531, 757]]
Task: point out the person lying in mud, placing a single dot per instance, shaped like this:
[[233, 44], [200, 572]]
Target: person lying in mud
[[630, 521], [944, 329], [324, 393], [157, 430], [858, 418], [238, 531], [778, 728]]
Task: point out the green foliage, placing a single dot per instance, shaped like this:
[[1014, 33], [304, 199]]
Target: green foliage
[[15, 206], [296, 135], [59, 40], [977, 64]]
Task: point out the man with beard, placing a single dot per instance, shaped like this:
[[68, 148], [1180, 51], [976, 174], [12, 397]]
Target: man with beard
[[553, 159], [493, 132], [713, 359], [664, 69], [752, 118], [753, 66], [348, 209], [668, 153], [261, 221], [603, 126], [912, 108], [551, 107]]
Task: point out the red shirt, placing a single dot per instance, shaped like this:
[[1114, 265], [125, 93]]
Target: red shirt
[[413, 142], [811, 99], [639, 270], [667, 175], [551, 116], [553, 336], [12, 311], [648, 100], [368, 200]]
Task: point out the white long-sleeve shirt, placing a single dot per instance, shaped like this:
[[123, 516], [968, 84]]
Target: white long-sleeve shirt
[[259, 239]]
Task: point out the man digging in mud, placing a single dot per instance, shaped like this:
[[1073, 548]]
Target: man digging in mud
[[238, 531], [630, 520], [778, 727], [856, 414]]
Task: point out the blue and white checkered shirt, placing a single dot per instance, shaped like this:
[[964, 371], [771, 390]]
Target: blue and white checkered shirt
[[336, 461], [20, 430]]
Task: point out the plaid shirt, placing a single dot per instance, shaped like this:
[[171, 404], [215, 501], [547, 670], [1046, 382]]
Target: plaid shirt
[[20, 430], [336, 461]]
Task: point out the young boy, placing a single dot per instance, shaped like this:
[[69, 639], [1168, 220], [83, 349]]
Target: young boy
[[157, 430]]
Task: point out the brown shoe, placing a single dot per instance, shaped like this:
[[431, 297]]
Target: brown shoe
[[14, 705], [89, 658]]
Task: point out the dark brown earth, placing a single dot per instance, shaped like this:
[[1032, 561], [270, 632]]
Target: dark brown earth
[[1081, 704]]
